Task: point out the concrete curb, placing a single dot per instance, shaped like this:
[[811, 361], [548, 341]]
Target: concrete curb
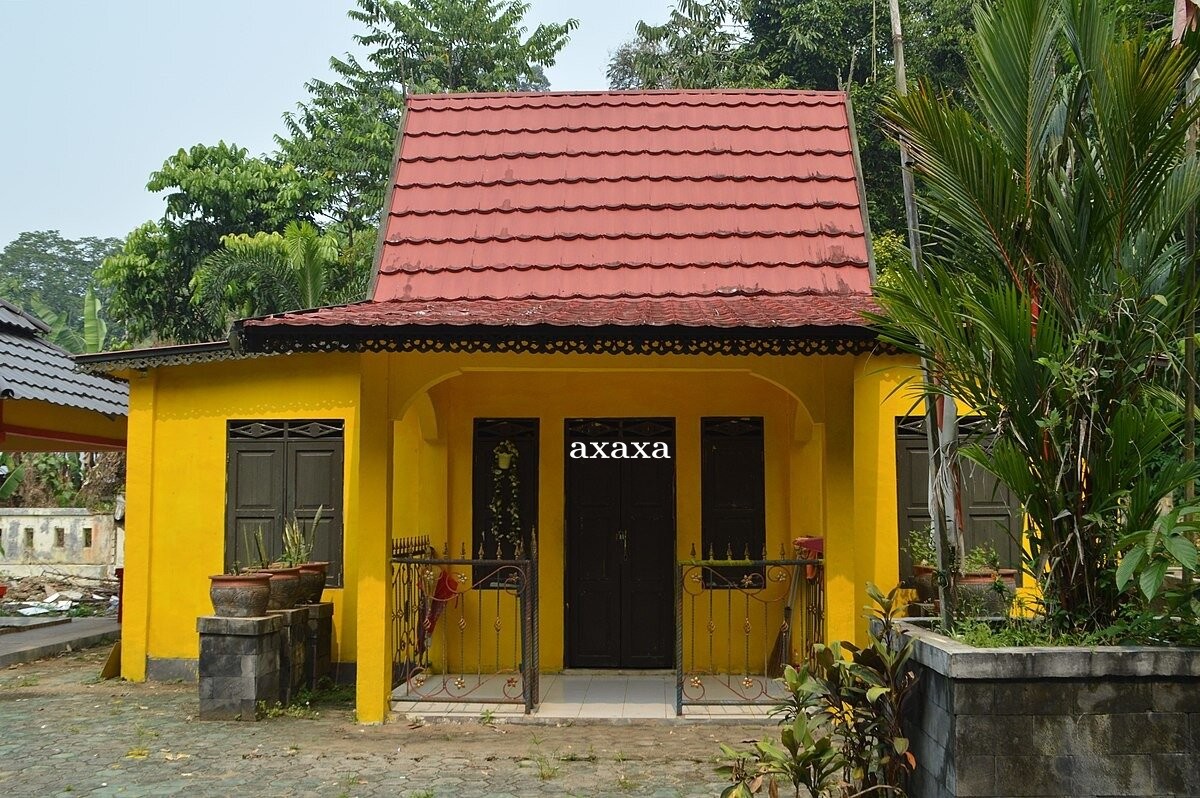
[[14, 652]]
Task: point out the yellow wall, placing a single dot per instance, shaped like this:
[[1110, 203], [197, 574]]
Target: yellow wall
[[175, 486], [830, 456]]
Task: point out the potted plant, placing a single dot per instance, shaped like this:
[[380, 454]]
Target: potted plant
[[923, 551], [284, 580], [297, 553], [240, 594], [984, 587]]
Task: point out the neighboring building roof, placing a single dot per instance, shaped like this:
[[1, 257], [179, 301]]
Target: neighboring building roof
[[689, 208], [33, 368]]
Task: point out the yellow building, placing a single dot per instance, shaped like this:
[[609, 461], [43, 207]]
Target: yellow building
[[609, 334]]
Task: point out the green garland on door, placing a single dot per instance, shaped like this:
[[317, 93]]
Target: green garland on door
[[505, 502]]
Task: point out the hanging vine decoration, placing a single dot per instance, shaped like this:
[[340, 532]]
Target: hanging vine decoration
[[505, 502]]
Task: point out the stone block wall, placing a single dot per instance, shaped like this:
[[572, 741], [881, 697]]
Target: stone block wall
[[239, 665], [997, 723]]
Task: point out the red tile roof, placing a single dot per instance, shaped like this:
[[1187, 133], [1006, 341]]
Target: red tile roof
[[698, 208]]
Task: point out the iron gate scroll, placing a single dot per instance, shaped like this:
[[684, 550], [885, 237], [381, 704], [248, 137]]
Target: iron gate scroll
[[730, 621], [464, 628]]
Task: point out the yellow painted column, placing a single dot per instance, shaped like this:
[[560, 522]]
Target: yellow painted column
[[370, 525], [139, 509]]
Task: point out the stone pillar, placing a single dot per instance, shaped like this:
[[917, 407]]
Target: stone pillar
[[293, 651], [239, 666], [320, 644]]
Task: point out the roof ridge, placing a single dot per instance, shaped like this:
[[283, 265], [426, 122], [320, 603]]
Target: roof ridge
[[630, 206], [616, 295], [612, 266], [450, 95], [740, 293], [624, 236], [550, 181], [499, 156], [440, 104], [778, 128]]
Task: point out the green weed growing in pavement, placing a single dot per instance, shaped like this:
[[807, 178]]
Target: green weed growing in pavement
[[487, 717], [572, 756], [278, 710]]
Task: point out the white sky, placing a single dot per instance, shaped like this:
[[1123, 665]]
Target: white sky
[[95, 95]]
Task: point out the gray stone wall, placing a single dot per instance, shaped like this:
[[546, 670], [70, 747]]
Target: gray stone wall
[[70, 540], [1024, 733]]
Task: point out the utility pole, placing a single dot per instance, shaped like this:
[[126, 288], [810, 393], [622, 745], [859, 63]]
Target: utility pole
[[946, 551]]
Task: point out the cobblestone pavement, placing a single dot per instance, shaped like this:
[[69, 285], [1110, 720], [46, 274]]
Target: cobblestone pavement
[[65, 733]]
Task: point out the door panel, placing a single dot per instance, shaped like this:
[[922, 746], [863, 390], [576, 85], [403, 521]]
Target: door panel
[[256, 494], [991, 511], [595, 570], [620, 549], [649, 558]]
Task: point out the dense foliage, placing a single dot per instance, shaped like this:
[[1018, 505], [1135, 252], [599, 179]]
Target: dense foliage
[[823, 45], [1057, 289], [841, 730], [44, 273], [330, 169]]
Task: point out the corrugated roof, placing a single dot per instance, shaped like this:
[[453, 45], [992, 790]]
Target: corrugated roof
[[13, 318], [32, 368], [705, 208]]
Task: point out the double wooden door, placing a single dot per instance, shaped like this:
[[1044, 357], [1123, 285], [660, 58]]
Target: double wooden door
[[620, 541]]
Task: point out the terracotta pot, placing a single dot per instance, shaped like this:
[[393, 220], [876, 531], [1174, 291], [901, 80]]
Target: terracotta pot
[[924, 582], [988, 592], [285, 587], [240, 595], [312, 581]]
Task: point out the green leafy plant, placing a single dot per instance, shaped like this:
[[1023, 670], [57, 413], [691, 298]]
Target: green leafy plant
[[841, 722], [921, 546], [504, 504], [1055, 298], [298, 546], [256, 548], [982, 559]]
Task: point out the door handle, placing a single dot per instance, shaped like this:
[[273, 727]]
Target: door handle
[[624, 538]]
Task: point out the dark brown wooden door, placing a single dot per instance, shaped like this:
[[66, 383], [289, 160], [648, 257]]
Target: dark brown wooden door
[[992, 514], [620, 539]]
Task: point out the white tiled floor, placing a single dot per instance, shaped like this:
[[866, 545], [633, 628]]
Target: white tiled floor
[[573, 695]]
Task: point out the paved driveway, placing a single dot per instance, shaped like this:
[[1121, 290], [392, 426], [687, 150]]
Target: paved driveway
[[64, 733]]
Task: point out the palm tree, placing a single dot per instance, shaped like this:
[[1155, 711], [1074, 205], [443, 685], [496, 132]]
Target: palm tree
[[270, 273], [1055, 299]]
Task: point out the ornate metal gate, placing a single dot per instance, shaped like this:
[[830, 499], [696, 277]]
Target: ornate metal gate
[[464, 629]]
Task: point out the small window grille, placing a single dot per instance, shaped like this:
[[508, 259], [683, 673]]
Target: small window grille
[[87, 537], [60, 537], [29, 537]]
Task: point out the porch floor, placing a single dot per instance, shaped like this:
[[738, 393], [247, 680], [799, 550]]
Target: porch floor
[[597, 696]]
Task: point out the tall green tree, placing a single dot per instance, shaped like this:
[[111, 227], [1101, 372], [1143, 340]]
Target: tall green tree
[[701, 45], [1055, 301], [342, 137], [212, 191], [89, 336], [822, 45], [270, 273], [56, 271]]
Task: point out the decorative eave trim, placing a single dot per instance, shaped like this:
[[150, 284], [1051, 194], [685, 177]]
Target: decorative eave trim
[[545, 339], [152, 357]]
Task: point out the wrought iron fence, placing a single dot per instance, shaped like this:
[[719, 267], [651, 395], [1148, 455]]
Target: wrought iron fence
[[464, 629], [738, 622]]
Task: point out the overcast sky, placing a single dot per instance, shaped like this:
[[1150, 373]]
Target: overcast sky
[[95, 95]]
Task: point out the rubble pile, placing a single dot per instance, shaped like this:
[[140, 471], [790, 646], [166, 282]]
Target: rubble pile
[[58, 594]]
